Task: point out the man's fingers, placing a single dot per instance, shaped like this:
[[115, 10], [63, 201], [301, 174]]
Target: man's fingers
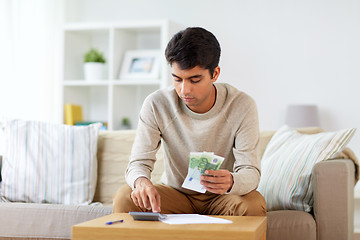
[[158, 200], [216, 188], [214, 185], [217, 181], [138, 199], [146, 198], [135, 199], [146, 195], [218, 173], [212, 179], [217, 191], [155, 202]]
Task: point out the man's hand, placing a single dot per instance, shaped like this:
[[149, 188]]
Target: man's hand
[[219, 181], [145, 195]]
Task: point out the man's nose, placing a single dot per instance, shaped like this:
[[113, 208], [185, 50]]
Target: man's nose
[[185, 88]]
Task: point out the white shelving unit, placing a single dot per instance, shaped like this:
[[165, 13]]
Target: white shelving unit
[[112, 99]]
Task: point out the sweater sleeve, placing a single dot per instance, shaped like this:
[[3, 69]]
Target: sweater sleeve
[[246, 170], [146, 144]]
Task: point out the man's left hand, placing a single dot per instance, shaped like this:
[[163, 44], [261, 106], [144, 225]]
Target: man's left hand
[[217, 181]]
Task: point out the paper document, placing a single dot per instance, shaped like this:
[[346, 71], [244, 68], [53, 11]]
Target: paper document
[[193, 219]]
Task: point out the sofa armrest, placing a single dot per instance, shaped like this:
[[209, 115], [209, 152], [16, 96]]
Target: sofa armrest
[[333, 183]]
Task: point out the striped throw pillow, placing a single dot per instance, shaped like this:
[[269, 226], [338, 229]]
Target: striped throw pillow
[[287, 164], [49, 163]]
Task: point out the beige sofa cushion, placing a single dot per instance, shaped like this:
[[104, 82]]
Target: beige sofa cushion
[[265, 136], [114, 148], [290, 224]]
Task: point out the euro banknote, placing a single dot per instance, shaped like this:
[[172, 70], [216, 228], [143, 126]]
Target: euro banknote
[[198, 163]]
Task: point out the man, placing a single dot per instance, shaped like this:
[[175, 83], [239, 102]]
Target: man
[[195, 115]]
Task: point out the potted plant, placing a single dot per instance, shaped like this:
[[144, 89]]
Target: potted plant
[[125, 123], [94, 65]]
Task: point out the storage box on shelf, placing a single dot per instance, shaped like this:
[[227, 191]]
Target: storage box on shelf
[[112, 99]]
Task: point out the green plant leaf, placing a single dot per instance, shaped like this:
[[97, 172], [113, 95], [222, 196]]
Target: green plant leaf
[[94, 55]]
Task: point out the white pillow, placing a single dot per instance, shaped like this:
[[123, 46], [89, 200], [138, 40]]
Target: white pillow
[[49, 163], [287, 164]]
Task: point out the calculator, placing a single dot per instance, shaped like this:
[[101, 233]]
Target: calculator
[[147, 216]]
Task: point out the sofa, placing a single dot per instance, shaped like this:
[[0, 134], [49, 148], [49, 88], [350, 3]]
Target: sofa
[[331, 218]]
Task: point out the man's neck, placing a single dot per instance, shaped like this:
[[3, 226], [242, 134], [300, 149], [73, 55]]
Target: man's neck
[[207, 105]]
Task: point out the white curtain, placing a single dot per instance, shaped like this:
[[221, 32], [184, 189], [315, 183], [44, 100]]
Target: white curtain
[[30, 41]]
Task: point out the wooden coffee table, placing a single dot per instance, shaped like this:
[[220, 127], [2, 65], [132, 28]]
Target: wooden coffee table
[[242, 228]]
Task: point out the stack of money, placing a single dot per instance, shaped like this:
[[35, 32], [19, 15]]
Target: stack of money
[[199, 162]]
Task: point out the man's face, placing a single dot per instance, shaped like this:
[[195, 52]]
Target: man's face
[[195, 87]]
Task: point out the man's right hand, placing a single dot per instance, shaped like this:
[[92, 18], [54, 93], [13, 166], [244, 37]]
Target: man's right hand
[[145, 195]]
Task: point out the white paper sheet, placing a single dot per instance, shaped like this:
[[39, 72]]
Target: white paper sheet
[[192, 219]]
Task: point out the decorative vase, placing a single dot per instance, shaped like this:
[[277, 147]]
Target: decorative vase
[[94, 71]]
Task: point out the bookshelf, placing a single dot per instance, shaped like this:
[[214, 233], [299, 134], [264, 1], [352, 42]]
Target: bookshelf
[[112, 99]]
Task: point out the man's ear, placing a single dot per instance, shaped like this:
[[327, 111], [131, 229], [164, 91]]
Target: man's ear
[[216, 74]]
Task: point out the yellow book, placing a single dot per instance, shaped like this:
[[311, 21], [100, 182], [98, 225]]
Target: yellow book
[[73, 113]]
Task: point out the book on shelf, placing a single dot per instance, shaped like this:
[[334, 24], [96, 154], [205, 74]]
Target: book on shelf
[[85, 123], [72, 113], [74, 116]]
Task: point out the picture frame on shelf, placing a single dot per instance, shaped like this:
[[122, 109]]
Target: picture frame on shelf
[[140, 64]]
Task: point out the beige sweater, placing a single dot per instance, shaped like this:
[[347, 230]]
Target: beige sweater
[[229, 129]]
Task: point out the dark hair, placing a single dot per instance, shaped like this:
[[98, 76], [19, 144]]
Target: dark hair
[[193, 47]]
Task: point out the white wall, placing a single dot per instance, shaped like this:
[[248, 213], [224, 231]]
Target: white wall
[[280, 52]]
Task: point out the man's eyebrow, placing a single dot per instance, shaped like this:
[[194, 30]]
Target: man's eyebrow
[[175, 75], [195, 76]]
